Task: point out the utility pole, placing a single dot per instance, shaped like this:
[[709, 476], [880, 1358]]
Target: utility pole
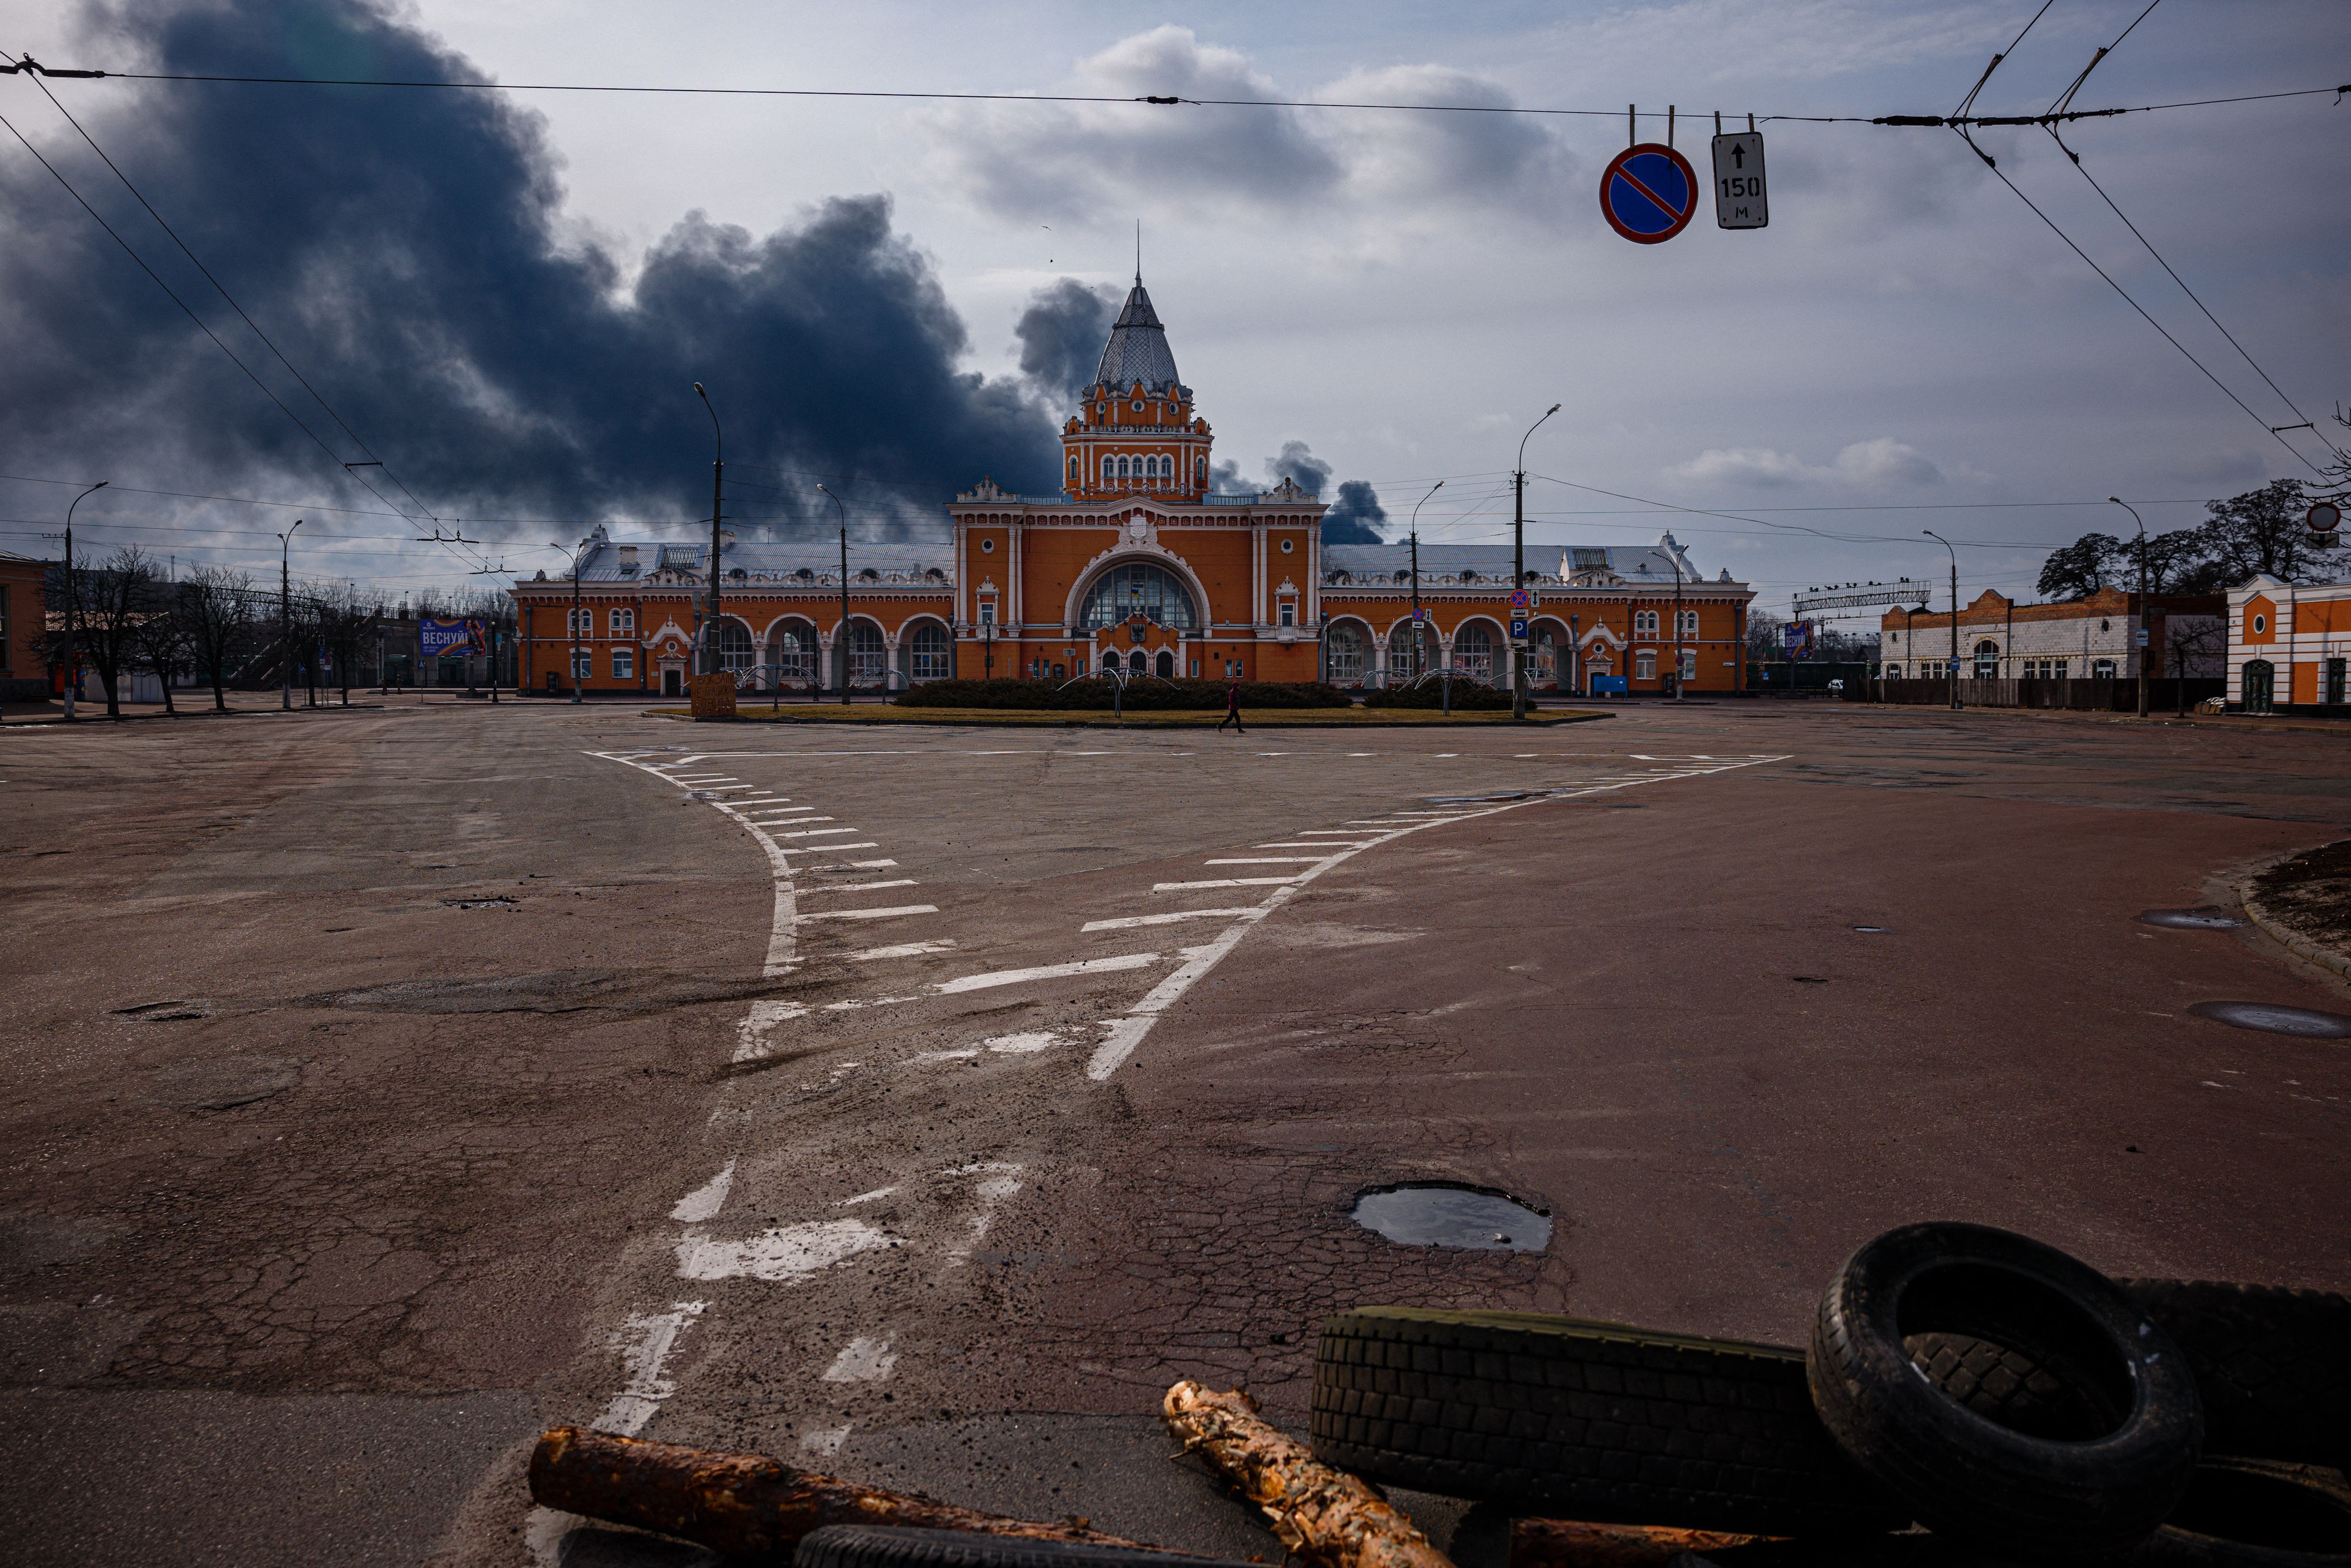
[[1955, 613], [2139, 633], [1675, 561], [1518, 565], [843, 512], [73, 665], [1418, 651], [285, 619], [710, 661]]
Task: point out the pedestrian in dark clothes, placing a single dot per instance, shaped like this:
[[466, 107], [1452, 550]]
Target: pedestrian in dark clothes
[[1232, 710]]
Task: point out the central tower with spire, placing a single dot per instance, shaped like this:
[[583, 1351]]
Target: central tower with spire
[[1136, 432]]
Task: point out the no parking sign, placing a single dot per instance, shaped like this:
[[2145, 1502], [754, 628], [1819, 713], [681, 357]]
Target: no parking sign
[[1648, 193]]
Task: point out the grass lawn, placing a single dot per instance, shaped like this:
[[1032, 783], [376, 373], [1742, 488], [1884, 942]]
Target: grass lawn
[[1048, 719]]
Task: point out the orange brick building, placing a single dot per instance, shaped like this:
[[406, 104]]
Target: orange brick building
[[24, 674], [1136, 561], [2290, 647]]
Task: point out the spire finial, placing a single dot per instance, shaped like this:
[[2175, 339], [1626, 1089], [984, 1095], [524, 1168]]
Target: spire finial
[[1138, 253]]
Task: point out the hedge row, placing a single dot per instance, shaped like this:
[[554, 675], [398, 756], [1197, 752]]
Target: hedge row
[[1469, 696], [1143, 694]]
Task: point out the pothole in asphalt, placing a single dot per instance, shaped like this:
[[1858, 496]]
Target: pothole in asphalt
[[2202, 919], [482, 903], [1453, 1213], [2305, 1023], [157, 1012], [224, 1083]]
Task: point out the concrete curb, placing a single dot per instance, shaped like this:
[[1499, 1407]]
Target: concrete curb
[[977, 720], [2277, 930]]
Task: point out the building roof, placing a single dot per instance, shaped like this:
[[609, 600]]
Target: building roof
[[923, 561], [1639, 565], [1137, 349]]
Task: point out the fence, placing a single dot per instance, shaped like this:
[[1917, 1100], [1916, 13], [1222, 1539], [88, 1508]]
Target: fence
[[2164, 695]]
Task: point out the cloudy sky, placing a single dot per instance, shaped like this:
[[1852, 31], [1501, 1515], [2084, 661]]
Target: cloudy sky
[[506, 297]]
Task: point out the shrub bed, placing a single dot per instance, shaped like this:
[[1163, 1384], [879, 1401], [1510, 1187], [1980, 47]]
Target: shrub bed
[[1469, 696], [1143, 696]]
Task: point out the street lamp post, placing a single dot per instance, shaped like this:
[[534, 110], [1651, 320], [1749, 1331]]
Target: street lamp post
[[1419, 648], [843, 512], [285, 617], [571, 643], [710, 658], [1519, 564], [2145, 612], [1955, 613], [1675, 562], [73, 666]]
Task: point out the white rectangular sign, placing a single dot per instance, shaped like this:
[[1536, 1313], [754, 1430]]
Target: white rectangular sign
[[1738, 199]]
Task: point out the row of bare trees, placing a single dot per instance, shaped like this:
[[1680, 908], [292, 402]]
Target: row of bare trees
[[129, 618]]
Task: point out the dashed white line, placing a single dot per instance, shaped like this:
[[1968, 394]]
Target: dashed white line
[[858, 886], [1128, 922], [902, 950], [1265, 860], [991, 978], [874, 913], [1222, 882]]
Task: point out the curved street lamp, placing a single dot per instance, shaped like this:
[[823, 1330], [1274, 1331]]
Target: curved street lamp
[[1419, 648], [1519, 566], [1955, 613], [2144, 612], [73, 667], [285, 617], [843, 511], [718, 475], [572, 643]]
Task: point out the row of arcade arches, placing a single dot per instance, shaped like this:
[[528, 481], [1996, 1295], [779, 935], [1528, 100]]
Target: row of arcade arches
[[789, 653]]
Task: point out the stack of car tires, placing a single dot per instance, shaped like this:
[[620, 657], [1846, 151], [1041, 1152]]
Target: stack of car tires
[[1966, 1379]]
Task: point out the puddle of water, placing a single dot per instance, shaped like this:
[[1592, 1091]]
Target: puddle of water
[[2303, 1023], [2204, 919], [1871, 930], [1449, 1214], [481, 903]]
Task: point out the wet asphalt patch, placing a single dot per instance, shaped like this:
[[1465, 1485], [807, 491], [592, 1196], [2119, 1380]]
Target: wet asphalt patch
[[2269, 1018], [2203, 918], [1453, 1213]]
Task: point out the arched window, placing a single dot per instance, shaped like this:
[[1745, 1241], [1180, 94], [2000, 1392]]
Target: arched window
[[931, 660], [1110, 467], [1348, 646], [1987, 660], [1200, 469], [1124, 469], [792, 651], [1153, 590], [869, 662], [1473, 651], [1166, 664], [734, 645]]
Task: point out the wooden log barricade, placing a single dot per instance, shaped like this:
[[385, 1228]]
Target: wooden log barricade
[[1323, 1515], [740, 1505]]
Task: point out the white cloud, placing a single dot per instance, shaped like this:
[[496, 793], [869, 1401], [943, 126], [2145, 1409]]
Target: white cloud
[[1877, 462]]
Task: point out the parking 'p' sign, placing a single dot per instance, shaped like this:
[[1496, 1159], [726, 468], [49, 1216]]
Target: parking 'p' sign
[[1648, 193]]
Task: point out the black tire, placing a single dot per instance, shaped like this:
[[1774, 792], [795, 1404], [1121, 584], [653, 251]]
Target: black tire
[[2274, 1365], [882, 1546], [1586, 1420], [2007, 1386], [2255, 1513], [1963, 1473]]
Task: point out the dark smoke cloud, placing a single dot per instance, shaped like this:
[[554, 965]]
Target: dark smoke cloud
[[1300, 467], [409, 251], [1062, 334], [1354, 517]]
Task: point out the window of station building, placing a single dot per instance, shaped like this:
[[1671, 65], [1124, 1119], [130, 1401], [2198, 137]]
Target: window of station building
[[1645, 665], [1987, 660], [579, 622], [986, 547], [624, 620], [1153, 592], [582, 662], [1689, 664], [1289, 612], [734, 645], [1347, 646], [1473, 651], [624, 664], [1288, 546], [791, 651], [929, 658], [869, 659], [988, 613], [1645, 623], [1689, 622], [2101, 669]]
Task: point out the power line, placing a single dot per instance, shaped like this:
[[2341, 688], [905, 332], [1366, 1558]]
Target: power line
[[1157, 100]]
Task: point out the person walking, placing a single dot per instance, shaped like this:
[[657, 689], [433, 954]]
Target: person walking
[[1232, 710]]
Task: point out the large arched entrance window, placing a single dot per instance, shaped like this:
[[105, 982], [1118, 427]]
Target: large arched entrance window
[[1139, 586], [734, 645], [869, 662], [1409, 652], [2261, 682], [929, 657], [1348, 646], [1987, 660], [791, 651], [1473, 651]]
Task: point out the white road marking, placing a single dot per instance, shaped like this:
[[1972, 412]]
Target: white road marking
[[654, 1335], [848, 865], [1221, 881], [1021, 1044], [966, 1055], [865, 1197], [751, 1034], [834, 850], [854, 886], [874, 913], [862, 1360], [1044, 972], [825, 1441], [1266, 860], [1313, 843], [818, 833], [1128, 922], [902, 950], [787, 1253], [705, 1201]]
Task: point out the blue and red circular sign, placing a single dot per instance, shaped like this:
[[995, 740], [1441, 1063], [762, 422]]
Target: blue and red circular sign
[[1648, 193]]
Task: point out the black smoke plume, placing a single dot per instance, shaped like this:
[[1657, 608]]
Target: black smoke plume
[[1354, 517], [409, 251], [1062, 334]]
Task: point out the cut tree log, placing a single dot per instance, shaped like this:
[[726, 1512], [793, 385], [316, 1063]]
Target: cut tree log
[[745, 1505], [1324, 1515], [1570, 1544]]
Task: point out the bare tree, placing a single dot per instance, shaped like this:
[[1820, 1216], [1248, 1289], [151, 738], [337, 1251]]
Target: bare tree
[[216, 607], [115, 597], [345, 622], [2188, 641], [160, 636]]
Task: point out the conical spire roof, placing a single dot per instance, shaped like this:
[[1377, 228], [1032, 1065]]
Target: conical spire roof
[[1137, 349]]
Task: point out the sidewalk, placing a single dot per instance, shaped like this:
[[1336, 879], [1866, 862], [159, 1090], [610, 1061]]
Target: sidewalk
[[2242, 724]]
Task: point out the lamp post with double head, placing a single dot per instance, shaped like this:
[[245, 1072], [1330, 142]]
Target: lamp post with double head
[[2139, 634], [1519, 562], [1419, 632], [286, 617], [73, 666], [576, 627], [843, 640], [1955, 613]]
